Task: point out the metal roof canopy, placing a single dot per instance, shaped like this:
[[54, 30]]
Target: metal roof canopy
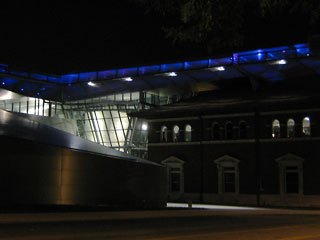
[[270, 65]]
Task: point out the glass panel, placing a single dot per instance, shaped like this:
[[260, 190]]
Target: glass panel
[[113, 137], [135, 96], [292, 182], [306, 126], [99, 114], [187, 133], [16, 107], [164, 132], [101, 123], [109, 124], [175, 135], [276, 129], [126, 97], [106, 114], [290, 128], [31, 107], [110, 97], [23, 107], [119, 97], [175, 181], [215, 131], [229, 131], [229, 182], [123, 114], [105, 136], [243, 130], [117, 124]]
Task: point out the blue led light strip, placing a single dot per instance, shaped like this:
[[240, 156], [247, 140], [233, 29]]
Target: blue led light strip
[[259, 55]]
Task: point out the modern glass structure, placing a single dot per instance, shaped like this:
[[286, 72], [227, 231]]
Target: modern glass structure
[[96, 105]]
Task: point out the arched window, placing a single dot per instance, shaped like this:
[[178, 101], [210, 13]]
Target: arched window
[[229, 130], [175, 133], [290, 128], [306, 126], [215, 134], [187, 133], [242, 130], [276, 128], [164, 134]]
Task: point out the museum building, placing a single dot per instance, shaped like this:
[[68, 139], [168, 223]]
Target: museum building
[[240, 129], [253, 141]]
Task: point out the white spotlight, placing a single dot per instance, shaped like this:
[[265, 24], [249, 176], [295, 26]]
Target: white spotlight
[[219, 68], [171, 74], [91, 84], [144, 127], [128, 79], [281, 62]]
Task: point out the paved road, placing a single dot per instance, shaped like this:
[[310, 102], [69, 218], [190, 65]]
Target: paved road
[[171, 224]]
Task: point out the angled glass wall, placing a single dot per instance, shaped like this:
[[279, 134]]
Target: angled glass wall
[[103, 120]]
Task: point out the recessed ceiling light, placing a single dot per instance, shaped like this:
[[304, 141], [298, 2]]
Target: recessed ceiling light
[[144, 127], [219, 68], [128, 79], [281, 62], [171, 74], [91, 84]]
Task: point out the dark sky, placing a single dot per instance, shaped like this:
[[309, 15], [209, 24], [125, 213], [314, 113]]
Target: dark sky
[[80, 37]]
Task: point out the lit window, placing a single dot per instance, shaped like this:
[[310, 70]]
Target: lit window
[[306, 126], [215, 131], [229, 130], [290, 128], [164, 134], [187, 133], [175, 133], [242, 130], [276, 128]]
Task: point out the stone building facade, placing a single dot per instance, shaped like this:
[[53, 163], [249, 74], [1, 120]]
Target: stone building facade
[[257, 151]]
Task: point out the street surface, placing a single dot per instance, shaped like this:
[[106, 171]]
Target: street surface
[[200, 222]]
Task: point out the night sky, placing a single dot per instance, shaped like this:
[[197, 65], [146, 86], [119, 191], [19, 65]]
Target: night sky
[[76, 37]]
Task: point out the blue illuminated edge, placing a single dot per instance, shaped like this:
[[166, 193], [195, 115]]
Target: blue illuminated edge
[[301, 50]]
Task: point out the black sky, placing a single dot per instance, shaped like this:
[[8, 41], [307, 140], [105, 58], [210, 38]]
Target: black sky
[[76, 36]]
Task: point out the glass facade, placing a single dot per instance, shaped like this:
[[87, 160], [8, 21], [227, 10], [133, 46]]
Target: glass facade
[[103, 120]]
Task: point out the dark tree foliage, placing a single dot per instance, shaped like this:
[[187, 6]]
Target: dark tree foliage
[[227, 24]]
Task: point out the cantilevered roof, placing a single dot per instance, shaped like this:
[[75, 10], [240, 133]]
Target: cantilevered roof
[[261, 65]]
